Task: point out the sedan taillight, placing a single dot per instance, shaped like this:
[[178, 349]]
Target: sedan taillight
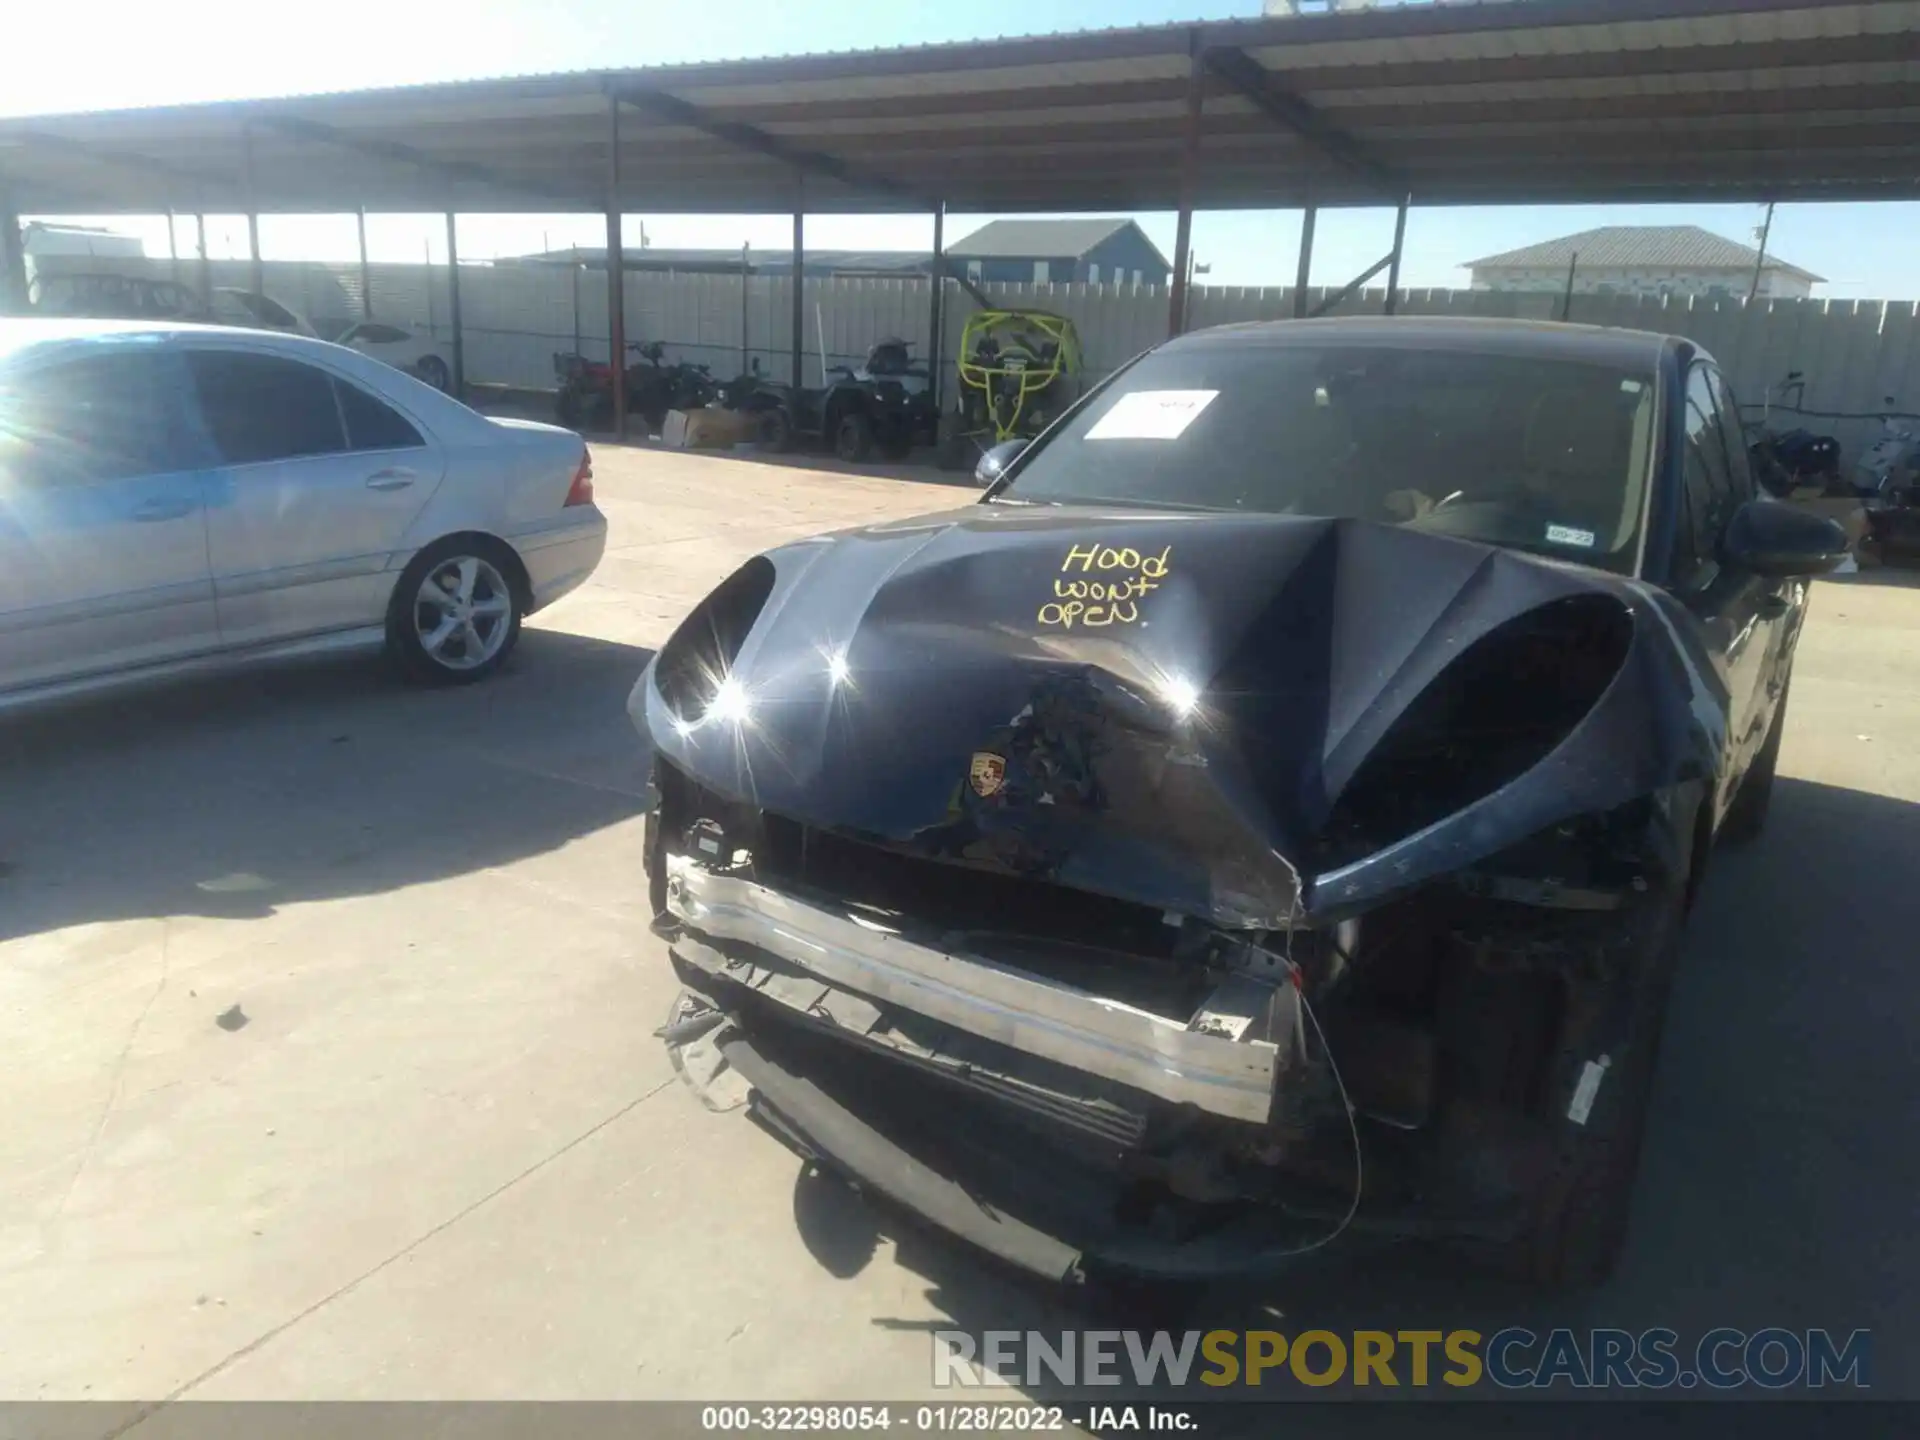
[[581, 491]]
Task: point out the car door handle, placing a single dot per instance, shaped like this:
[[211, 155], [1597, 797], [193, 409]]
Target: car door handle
[[1773, 605], [390, 479], [170, 507]]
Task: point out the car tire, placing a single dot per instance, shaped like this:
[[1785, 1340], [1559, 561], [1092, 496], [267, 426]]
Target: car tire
[[774, 430], [1574, 1224], [853, 437], [433, 370], [1747, 815], [465, 636]]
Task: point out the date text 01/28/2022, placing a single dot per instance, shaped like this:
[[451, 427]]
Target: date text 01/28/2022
[[978, 1419], [845, 1419]]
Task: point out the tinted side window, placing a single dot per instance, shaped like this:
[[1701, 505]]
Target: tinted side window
[[263, 407], [1739, 466], [1709, 493], [372, 424], [100, 417]]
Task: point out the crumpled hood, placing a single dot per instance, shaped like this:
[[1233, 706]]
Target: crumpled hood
[[1017, 681]]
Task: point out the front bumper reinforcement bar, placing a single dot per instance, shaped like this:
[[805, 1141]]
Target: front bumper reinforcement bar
[[1015, 1008]]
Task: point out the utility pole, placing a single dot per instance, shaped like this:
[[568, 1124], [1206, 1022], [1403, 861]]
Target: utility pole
[[1760, 261], [1193, 268]]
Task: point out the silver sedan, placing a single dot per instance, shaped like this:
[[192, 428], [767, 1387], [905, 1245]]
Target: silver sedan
[[174, 497]]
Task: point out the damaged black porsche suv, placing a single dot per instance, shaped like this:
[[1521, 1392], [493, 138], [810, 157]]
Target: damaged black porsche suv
[[1269, 815]]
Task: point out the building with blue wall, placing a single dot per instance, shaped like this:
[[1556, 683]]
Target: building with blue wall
[[1035, 251]]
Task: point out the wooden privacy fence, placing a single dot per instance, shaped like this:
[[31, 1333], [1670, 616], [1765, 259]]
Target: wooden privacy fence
[[1858, 357]]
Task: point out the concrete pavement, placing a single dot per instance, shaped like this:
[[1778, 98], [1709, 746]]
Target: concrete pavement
[[326, 1007]]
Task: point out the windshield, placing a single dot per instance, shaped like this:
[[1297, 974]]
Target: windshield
[[1528, 452]]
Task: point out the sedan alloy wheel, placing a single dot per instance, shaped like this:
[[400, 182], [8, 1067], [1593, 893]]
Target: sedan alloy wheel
[[463, 613]]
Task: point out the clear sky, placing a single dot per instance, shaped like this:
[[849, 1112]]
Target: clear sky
[[116, 53]]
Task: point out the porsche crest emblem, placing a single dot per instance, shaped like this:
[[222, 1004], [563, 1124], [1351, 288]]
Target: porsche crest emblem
[[987, 773]]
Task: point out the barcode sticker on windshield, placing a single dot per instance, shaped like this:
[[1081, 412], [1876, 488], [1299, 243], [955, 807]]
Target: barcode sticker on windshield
[[1152, 415], [1568, 535]]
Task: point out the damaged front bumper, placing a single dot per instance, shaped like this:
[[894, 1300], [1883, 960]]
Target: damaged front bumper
[[1009, 1108], [1207, 1060], [1057, 1111]]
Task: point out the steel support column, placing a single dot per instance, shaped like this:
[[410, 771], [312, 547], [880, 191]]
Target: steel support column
[[453, 310], [938, 274], [799, 282], [1399, 244], [366, 270], [616, 274], [1308, 218], [1189, 164], [173, 248], [257, 274], [206, 265], [13, 260]]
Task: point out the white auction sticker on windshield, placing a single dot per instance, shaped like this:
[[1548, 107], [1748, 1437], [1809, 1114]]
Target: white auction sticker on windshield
[[1152, 415]]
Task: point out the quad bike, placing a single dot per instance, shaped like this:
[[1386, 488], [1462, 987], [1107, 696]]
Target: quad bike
[[1891, 466], [585, 398], [1019, 369], [653, 387], [1786, 461], [884, 404], [1887, 480], [1893, 527]]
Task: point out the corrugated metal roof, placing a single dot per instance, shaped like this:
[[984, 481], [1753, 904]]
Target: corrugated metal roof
[[1032, 239], [1493, 101], [1644, 247]]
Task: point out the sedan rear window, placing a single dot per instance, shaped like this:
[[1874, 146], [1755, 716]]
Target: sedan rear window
[[1529, 452], [261, 407]]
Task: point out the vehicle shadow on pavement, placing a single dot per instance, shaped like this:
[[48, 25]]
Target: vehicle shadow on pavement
[[235, 795], [1776, 1184], [920, 469]]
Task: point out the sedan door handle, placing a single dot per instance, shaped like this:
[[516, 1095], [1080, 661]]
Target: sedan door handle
[[166, 508], [1773, 605], [390, 479]]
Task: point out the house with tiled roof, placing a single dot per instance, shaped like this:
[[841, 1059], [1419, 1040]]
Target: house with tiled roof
[[1678, 260]]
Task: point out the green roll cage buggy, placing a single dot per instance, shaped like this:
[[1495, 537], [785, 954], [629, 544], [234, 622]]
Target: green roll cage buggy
[[1019, 369]]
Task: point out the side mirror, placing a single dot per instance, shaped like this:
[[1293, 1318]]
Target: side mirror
[[1777, 538], [994, 463]]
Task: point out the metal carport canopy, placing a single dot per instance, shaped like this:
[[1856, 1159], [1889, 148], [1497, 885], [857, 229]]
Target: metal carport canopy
[[1502, 101]]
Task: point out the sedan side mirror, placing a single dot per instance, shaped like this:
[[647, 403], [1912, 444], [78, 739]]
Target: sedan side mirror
[[994, 463], [1779, 539]]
